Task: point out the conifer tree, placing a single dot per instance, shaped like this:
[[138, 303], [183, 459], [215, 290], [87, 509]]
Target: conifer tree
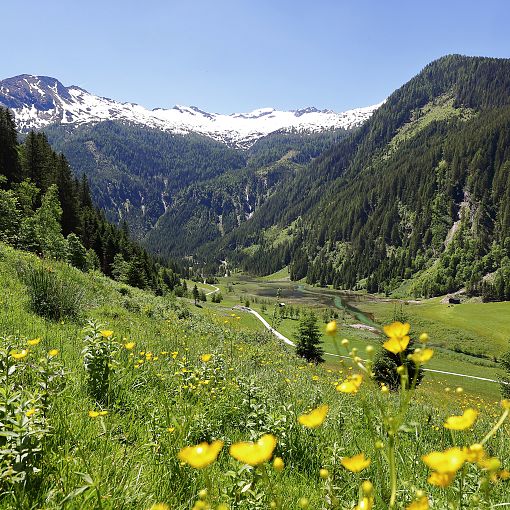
[[9, 164], [196, 294], [309, 339]]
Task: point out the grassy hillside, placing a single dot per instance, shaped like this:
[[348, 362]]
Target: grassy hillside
[[478, 328], [109, 437]]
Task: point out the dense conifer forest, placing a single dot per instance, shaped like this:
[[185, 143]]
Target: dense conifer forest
[[420, 191], [47, 210]]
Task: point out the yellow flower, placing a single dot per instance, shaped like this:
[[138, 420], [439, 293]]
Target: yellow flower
[[331, 328], [462, 422], [398, 337], [129, 346], [206, 357], [355, 464], [441, 479], [34, 342], [365, 504], [278, 464], [504, 475], [490, 463], [19, 354], [93, 414], [449, 461], [103, 413], [420, 504], [254, 453], [474, 453], [505, 403], [30, 412], [201, 455], [424, 338], [53, 353], [420, 356], [106, 333], [314, 418], [171, 429], [351, 384], [159, 506]]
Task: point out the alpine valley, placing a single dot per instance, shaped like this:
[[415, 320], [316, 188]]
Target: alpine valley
[[409, 196]]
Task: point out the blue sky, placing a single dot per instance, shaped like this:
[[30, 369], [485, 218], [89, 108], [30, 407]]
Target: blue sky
[[237, 55]]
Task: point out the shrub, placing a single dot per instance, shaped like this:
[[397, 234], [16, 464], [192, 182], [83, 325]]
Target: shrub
[[52, 295], [386, 364]]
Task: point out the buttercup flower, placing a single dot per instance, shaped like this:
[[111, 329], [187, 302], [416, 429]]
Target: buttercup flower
[[254, 453], [129, 345], [449, 461], [420, 356], [474, 453], [33, 342], [206, 357], [106, 333], [331, 328], [201, 455], [53, 352], [314, 418], [278, 464], [351, 384], [19, 354], [355, 464], [398, 338], [462, 422], [420, 504], [440, 479]]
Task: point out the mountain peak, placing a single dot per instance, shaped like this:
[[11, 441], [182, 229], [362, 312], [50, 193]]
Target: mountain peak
[[39, 101]]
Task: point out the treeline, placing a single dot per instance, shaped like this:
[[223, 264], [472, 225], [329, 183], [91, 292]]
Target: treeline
[[46, 210]]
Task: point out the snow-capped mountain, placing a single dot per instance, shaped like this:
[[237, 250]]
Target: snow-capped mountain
[[38, 101]]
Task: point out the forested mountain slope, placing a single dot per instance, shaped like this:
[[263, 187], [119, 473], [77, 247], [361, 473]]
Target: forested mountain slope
[[422, 188], [207, 210], [46, 210], [199, 188]]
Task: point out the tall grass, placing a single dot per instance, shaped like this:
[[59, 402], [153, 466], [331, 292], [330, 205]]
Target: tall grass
[[53, 295]]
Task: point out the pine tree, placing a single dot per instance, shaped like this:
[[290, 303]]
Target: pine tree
[[9, 164], [195, 293], [309, 339]]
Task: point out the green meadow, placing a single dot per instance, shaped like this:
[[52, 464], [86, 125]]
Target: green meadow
[[99, 403]]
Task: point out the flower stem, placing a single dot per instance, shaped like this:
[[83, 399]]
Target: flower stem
[[393, 470], [496, 427]]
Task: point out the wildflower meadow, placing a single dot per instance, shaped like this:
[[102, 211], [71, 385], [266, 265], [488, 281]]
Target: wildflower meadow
[[137, 401]]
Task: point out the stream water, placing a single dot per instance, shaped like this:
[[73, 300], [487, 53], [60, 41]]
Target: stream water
[[301, 294]]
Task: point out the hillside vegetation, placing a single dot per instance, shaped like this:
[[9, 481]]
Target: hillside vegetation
[[95, 414], [419, 193], [166, 186]]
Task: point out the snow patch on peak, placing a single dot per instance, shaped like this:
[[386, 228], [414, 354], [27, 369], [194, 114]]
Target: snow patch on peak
[[38, 101]]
